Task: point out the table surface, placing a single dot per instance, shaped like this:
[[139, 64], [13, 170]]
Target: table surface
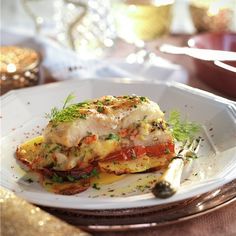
[[221, 222], [218, 222]]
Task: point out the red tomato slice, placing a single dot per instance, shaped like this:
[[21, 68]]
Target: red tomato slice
[[160, 149], [130, 153], [127, 153]]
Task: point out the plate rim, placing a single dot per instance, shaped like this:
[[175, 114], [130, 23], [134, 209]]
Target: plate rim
[[124, 80]]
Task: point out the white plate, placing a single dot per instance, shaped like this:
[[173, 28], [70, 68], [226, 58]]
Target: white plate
[[23, 114]]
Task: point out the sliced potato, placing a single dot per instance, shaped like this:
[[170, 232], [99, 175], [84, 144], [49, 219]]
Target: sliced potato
[[66, 188], [29, 150]]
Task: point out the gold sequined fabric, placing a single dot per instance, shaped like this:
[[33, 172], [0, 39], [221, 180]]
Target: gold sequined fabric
[[19, 217], [19, 67]]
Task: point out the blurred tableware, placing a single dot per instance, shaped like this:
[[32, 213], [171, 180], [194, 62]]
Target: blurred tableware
[[218, 75], [199, 53], [142, 19], [212, 15], [69, 65], [225, 66], [84, 26], [87, 27], [138, 21], [45, 14], [19, 67]]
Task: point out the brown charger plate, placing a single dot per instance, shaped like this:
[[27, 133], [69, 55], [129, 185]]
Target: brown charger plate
[[145, 217]]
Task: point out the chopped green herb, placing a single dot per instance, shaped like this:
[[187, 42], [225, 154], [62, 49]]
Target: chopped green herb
[[70, 178], [167, 151], [94, 173], [56, 178], [143, 99], [112, 136], [182, 130], [52, 114], [52, 148], [100, 109], [82, 104], [85, 176], [95, 186]]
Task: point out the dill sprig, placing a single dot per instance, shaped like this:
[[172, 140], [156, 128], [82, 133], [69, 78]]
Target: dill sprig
[[182, 130], [69, 112], [68, 100]]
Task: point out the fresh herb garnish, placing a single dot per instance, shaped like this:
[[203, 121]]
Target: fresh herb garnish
[[93, 173], [167, 151], [56, 178], [70, 178], [52, 148], [112, 136], [100, 109], [95, 186], [69, 112], [143, 99], [68, 100], [182, 130]]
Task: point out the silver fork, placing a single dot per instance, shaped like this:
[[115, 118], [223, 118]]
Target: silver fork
[[169, 182]]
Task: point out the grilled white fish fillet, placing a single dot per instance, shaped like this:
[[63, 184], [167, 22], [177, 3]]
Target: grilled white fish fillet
[[107, 115]]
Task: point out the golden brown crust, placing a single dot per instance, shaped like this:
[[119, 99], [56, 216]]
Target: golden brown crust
[[66, 188]]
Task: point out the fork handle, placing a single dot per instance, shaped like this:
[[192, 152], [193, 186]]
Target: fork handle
[[169, 182]]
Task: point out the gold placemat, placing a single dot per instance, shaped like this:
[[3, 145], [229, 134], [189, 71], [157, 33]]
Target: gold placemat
[[19, 217]]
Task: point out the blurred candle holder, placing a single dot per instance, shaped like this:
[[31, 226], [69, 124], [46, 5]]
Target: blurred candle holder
[[19, 68], [212, 15]]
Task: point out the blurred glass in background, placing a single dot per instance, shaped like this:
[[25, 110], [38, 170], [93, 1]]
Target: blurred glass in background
[[213, 15], [142, 19]]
